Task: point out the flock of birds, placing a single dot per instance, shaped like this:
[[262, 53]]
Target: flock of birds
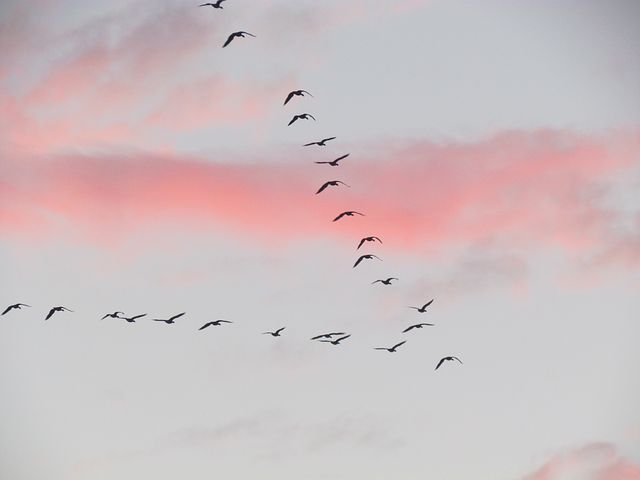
[[334, 338]]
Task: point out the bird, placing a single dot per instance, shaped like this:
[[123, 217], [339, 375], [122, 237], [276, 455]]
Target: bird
[[134, 318], [349, 213], [447, 359], [57, 309], [299, 93], [418, 325], [334, 163], [171, 320], [16, 306], [385, 282], [368, 239], [236, 34], [392, 349], [423, 308], [320, 143], [331, 183], [326, 335], [336, 341], [215, 323], [214, 5], [274, 334], [113, 315], [365, 257], [302, 116]]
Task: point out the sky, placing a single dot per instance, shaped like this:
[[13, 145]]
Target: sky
[[494, 149]]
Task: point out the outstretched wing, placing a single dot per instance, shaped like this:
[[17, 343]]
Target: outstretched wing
[[408, 328], [342, 338], [318, 337], [289, 97], [205, 325], [50, 314], [361, 243], [280, 329], [339, 216], [8, 309], [373, 283], [323, 187], [359, 260], [312, 143], [295, 117], [177, 316], [342, 157], [231, 37], [427, 304], [439, 363], [247, 33], [399, 344], [138, 316], [327, 139], [456, 358]]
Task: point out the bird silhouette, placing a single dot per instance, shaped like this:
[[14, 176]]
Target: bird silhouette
[[299, 93], [384, 282], [215, 323], [320, 143], [392, 349], [365, 257], [349, 213], [57, 309], [15, 306], [423, 308], [327, 335], [134, 318], [336, 341], [302, 116], [368, 239], [446, 359], [113, 315], [418, 325], [235, 35], [214, 5], [331, 183], [170, 320], [274, 334], [334, 163]]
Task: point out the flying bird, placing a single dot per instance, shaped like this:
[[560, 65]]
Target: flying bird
[[423, 308], [334, 163], [331, 183], [326, 335], [385, 282], [302, 116], [236, 34], [274, 334], [134, 318], [392, 349], [170, 320], [113, 315], [320, 143], [57, 309], [365, 257], [214, 5], [299, 93], [418, 325], [16, 306], [368, 239], [336, 341], [349, 213], [447, 359], [215, 323]]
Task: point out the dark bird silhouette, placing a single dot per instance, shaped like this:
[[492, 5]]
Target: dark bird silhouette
[[447, 359], [236, 34], [299, 93], [320, 143], [214, 5], [336, 341], [326, 335], [349, 213], [384, 282], [365, 257], [334, 163], [274, 334], [57, 309], [15, 306], [302, 116], [134, 318], [392, 349], [331, 183], [113, 315], [171, 320], [368, 239], [418, 325], [215, 323], [423, 308]]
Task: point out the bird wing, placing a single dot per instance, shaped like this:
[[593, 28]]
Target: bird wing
[[342, 157], [327, 139], [396, 346], [359, 260], [320, 163], [138, 316], [341, 182], [225, 321], [51, 312], [408, 328], [231, 37], [280, 329], [427, 304], [428, 324], [326, 341], [358, 213], [361, 243], [323, 187], [456, 358], [8, 309], [177, 316], [339, 217], [381, 348], [415, 308], [312, 143], [309, 115], [318, 337], [295, 117], [289, 97], [160, 320], [205, 325], [107, 315], [304, 91], [439, 363], [373, 283], [247, 33], [342, 338]]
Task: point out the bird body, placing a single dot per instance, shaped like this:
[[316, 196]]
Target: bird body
[[170, 320], [336, 341], [349, 213], [215, 323], [57, 309], [299, 93], [276, 333], [331, 183], [368, 239], [320, 143], [334, 163], [418, 325], [15, 306], [365, 257], [302, 116], [392, 349], [236, 35], [384, 282], [423, 308], [447, 359]]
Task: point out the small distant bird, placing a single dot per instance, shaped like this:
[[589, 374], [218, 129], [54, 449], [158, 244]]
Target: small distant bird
[[215, 323], [331, 183], [365, 257], [171, 320], [113, 315], [57, 309], [447, 359], [418, 325], [392, 349], [236, 34], [368, 239], [336, 341], [274, 334], [349, 213], [302, 116], [384, 282], [16, 306], [334, 163], [423, 308], [326, 335], [134, 318], [299, 93], [214, 5], [320, 143]]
